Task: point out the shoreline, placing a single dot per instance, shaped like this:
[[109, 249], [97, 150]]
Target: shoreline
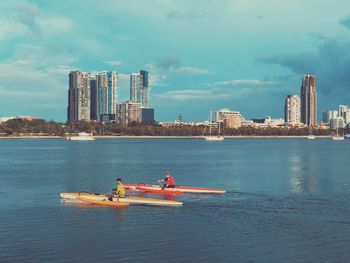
[[168, 137]]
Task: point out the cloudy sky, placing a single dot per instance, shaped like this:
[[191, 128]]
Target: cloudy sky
[[237, 54]]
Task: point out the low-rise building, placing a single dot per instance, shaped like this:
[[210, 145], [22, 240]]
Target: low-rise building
[[337, 122], [147, 115], [233, 121], [128, 112]]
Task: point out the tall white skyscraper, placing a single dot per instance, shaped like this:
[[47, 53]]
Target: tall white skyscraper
[[292, 109], [328, 115], [78, 96], [106, 92], [342, 110], [140, 88]]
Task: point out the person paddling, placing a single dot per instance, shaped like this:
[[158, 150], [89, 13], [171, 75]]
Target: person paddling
[[170, 182], [119, 192]]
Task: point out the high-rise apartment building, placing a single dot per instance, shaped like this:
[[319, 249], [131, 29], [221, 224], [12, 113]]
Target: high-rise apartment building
[[93, 98], [106, 92], [308, 97], [78, 96], [140, 88], [292, 109], [342, 110], [128, 112], [337, 122], [347, 117], [328, 115]]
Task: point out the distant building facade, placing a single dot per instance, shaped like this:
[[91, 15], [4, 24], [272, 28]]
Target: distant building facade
[[337, 122], [128, 112], [292, 109], [147, 115], [344, 112], [222, 114], [107, 117], [308, 98], [106, 91], [93, 98], [328, 115], [78, 96], [233, 121], [140, 88]]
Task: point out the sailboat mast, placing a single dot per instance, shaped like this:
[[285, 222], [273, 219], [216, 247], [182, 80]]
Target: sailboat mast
[[210, 120]]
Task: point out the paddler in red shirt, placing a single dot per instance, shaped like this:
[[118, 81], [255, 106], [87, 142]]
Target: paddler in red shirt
[[170, 182]]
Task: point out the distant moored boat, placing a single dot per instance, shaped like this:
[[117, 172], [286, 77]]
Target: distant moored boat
[[82, 136], [211, 137]]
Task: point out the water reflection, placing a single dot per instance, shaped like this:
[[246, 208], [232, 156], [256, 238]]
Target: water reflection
[[302, 169]]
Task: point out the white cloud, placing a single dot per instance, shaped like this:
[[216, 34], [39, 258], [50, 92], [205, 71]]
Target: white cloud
[[21, 78], [191, 71], [113, 62], [11, 28], [219, 90], [54, 25], [241, 82], [123, 76], [182, 95]]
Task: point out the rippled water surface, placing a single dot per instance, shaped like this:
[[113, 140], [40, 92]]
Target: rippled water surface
[[287, 201]]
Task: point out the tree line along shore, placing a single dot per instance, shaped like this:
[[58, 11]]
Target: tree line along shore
[[38, 127]]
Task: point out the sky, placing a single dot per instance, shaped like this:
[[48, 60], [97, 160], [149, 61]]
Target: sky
[[244, 55]]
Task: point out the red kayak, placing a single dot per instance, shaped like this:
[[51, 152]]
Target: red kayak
[[160, 191], [178, 189]]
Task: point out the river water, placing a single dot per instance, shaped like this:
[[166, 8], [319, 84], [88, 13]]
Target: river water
[[287, 200]]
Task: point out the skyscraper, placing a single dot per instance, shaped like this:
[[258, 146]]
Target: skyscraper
[[342, 110], [93, 98], [78, 96], [106, 92], [308, 98], [292, 109], [328, 115], [140, 88]]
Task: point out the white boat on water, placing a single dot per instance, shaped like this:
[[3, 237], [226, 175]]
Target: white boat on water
[[215, 138], [311, 137], [211, 137], [347, 136], [338, 137], [82, 136]]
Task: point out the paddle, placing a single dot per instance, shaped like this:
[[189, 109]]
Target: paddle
[[160, 184], [110, 197]]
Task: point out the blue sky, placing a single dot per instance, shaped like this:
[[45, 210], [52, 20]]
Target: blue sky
[[242, 55]]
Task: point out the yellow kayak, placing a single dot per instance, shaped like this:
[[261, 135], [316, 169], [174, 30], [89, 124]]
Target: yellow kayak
[[128, 199], [101, 202]]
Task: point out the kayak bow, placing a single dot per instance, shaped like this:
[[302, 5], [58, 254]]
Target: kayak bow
[[101, 202], [181, 189], [133, 200]]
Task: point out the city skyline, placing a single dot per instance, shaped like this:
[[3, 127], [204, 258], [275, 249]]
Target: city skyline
[[201, 56]]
